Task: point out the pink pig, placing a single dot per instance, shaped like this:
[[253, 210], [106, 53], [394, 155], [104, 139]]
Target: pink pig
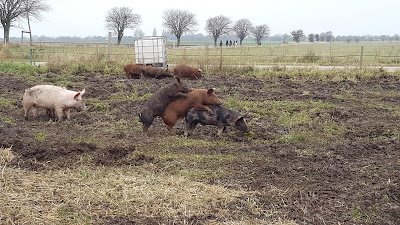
[[52, 98]]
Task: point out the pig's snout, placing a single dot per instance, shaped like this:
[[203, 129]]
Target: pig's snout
[[82, 108]]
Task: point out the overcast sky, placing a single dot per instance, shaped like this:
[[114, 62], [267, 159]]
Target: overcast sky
[[342, 17]]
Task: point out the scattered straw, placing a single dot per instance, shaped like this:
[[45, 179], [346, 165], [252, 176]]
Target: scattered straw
[[90, 195]]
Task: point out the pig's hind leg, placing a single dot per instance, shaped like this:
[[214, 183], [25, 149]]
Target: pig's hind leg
[[59, 113], [189, 128]]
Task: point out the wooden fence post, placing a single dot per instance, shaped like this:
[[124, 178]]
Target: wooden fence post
[[361, 57], [97, 52], [109, 45], [220, 60]]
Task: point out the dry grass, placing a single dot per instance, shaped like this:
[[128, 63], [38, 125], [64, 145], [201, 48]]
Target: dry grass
[[6, 156], [375, 54], [90, 195]]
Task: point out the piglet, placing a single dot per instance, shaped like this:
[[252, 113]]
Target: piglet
[[53, 99], [221, 118]]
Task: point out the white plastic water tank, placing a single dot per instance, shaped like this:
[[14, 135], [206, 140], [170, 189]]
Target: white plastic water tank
[[151, 50]]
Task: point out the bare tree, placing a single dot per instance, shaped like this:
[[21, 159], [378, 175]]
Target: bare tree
[[329, 36], [285, 38], [311, 38], [218, 26], [260, 32], [242, 29], [316, 37], [120, 18], [179, 22], [357, 39], [396, 37], [12, 11], [322, 36], [297, 34], [384, 37]]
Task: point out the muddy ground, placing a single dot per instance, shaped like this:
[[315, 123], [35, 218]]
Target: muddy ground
[[352, 177]]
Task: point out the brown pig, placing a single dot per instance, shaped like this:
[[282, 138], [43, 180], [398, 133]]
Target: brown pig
[[198, 99], [187, 71], [156, 72], [156, 104], [133, 71], [53, 99]]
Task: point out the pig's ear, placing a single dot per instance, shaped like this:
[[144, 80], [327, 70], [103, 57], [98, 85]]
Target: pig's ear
[[246, 114], [210, 91], [80, 93], [77, 95], [239, 118]]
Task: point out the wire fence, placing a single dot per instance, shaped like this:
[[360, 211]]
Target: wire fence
[[316, 55]]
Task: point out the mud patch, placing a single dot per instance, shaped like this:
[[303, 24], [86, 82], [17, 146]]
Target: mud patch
[[117, 156], [349, 176]]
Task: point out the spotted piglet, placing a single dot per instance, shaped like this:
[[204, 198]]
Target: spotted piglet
[[221, 118]]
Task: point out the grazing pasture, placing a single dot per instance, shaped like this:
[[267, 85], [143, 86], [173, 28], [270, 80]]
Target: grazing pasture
[[332, 54], [322, 148]]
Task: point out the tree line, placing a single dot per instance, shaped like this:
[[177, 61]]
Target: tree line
[[180, 22], [298, 35], [199, 37]]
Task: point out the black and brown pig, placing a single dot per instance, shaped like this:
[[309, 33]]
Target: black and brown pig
[[221, 118], [198, 99], [156, 104], [156, 72]]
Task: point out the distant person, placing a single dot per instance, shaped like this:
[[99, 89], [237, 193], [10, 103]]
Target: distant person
[[230, 43], [236, 43], [220, 43], [227, 43]]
